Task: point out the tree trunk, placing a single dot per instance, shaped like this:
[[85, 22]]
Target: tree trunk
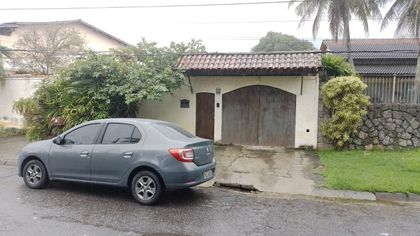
[[347, 38]]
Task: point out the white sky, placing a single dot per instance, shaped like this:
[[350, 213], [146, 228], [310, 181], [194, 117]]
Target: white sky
[[181, 24]]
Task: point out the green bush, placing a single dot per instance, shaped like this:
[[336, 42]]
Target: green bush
[[335, 65], [344, 98], [99, 86]]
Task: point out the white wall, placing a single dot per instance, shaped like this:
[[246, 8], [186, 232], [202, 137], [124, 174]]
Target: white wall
[[306, 103], [12, 89]]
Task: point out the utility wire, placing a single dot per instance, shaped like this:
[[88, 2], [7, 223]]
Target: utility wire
[[227, 53], [143, 6], [258, 21]]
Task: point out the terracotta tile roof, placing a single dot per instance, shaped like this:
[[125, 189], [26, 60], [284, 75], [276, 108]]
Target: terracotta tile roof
[[276, 63]]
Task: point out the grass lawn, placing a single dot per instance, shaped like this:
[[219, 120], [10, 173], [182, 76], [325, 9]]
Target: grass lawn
[[374, 171]]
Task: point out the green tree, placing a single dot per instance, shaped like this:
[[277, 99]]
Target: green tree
[[101, 86], [339, 14], [345, 99], [276, 41]]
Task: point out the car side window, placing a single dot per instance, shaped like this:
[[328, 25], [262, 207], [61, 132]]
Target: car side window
[[120, 134], [136, 136], [82, 136]]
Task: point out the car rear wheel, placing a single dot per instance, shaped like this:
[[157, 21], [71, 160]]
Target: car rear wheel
[[35, 175], [146, 187]]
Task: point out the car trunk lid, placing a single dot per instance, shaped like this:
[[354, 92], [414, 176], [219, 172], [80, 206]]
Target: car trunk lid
[[203, 152]]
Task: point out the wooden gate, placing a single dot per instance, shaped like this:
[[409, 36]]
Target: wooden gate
[[259, 115], [204, 119]]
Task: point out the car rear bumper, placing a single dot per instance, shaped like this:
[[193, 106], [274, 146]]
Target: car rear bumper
[[189, 176]]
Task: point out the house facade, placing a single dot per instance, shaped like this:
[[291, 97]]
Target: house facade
[[96, 39], [15, 86], [388, 66], [268, 99]]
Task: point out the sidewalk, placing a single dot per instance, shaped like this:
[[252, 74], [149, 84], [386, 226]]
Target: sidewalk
[[275, 170], [10, 148]]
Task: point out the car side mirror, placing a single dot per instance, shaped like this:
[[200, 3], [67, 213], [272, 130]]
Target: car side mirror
[[58, 140]]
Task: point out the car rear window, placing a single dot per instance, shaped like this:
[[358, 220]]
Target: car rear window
[[172, 131]]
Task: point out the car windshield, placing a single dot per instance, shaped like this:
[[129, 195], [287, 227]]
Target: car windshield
[[172, 131]]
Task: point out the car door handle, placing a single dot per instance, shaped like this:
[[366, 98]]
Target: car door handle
[[84, 154], [127, 154]]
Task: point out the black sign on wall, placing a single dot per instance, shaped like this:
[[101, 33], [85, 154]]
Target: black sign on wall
[[185, 103]]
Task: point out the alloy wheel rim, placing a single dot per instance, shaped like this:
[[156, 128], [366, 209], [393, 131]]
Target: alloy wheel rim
[[145, 188], [33, 174]]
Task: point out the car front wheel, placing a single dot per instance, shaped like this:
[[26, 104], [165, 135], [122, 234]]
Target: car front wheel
[[146, 187], [35, 174]]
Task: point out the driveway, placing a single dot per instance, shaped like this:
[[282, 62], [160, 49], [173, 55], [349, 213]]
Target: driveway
[[268, 169]]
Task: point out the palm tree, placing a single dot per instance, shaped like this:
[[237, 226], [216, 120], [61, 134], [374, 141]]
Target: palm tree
[[339, 14], [407, 12]]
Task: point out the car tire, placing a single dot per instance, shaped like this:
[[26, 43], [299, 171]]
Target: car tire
[[146, 187], [35, 174]]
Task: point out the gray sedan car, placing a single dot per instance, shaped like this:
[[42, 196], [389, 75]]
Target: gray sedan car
[[148, 156]]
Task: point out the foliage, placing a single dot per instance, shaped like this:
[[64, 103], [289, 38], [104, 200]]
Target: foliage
[[373, 171], [276, 41], [344, 97], [408, 15], [338, 13], [35, 124], [9, 132], [101, 86], [335, 65], [45, 49]]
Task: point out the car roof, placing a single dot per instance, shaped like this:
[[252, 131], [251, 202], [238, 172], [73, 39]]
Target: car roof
[[129, 120]]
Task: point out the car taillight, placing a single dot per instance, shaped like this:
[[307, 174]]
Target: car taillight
[[182, 154]]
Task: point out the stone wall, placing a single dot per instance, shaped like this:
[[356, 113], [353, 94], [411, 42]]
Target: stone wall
[[389, 126]]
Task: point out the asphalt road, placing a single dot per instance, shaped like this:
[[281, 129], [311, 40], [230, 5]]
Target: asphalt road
[[80, 209]]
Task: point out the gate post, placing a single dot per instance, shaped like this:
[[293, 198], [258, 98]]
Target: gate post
[[393, 87]]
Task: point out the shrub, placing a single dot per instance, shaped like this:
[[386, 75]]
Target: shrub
[[344, 98], [335, 65]]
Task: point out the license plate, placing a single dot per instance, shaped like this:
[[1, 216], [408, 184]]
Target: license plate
[[208, 174]]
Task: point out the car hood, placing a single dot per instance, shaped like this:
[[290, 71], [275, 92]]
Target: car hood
[[40, 147]]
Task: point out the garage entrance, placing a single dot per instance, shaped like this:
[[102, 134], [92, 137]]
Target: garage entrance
[[259, 115]]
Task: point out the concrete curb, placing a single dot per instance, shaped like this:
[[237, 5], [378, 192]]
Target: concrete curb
[[400, 197], [343, 194]]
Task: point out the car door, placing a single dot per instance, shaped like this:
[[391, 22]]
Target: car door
[[115, 153], [71, 158]]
